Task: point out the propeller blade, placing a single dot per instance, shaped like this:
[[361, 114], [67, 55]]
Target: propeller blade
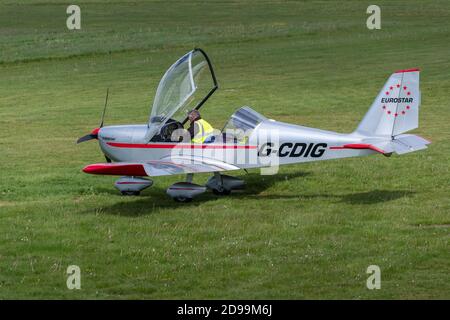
[[87, 138], [104, 108], [90, 136], [94, 133]]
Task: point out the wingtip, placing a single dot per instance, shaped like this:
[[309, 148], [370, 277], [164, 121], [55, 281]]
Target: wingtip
[[90, 168], [122, 169]]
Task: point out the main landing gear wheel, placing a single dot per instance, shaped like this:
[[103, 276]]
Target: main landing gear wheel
[[132, 186], [221, 192], [131, 193], [185, 191], [182, 199]]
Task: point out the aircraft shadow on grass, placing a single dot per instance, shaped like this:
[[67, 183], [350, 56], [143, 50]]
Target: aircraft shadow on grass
[[255, 185]]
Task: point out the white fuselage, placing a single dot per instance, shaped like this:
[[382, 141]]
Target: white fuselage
[[270, 143]]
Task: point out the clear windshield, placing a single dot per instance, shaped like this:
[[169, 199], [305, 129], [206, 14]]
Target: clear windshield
[[184, 86], [244, 119], [241, 124]]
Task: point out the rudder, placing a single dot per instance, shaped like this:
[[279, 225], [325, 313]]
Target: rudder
[[396, 108]]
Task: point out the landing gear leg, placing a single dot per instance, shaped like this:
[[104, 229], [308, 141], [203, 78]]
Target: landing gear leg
[[222, 185], [217, 185], [220, 190]]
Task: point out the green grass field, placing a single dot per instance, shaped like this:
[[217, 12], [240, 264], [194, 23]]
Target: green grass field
[[309, 232]]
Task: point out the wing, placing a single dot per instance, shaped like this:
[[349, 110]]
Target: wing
[[163, 167]]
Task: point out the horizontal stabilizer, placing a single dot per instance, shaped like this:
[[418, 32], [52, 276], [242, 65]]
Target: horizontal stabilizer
[[405, 143], [400, 144]]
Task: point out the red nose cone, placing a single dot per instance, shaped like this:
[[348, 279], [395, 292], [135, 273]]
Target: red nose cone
[[95, 131]]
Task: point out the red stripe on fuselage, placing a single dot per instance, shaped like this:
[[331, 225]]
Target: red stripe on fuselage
[[358, 146], [176, 145]]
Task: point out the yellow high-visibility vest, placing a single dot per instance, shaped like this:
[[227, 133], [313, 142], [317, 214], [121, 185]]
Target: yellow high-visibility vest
[[204, 131]]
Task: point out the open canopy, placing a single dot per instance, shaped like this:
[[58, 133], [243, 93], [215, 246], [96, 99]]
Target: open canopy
[[186, 85]]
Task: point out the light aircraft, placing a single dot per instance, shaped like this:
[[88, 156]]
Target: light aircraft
[[248, 139]]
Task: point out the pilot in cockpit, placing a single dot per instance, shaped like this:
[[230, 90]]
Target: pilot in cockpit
[[200, 130]]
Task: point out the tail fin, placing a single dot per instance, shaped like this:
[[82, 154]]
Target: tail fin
[[396, 108]]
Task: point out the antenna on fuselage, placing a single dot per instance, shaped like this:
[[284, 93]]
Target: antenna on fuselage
[[104, 109]]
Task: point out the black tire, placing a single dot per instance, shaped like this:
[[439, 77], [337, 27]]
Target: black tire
[[130, 193], [223, 192], [182, 199]]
